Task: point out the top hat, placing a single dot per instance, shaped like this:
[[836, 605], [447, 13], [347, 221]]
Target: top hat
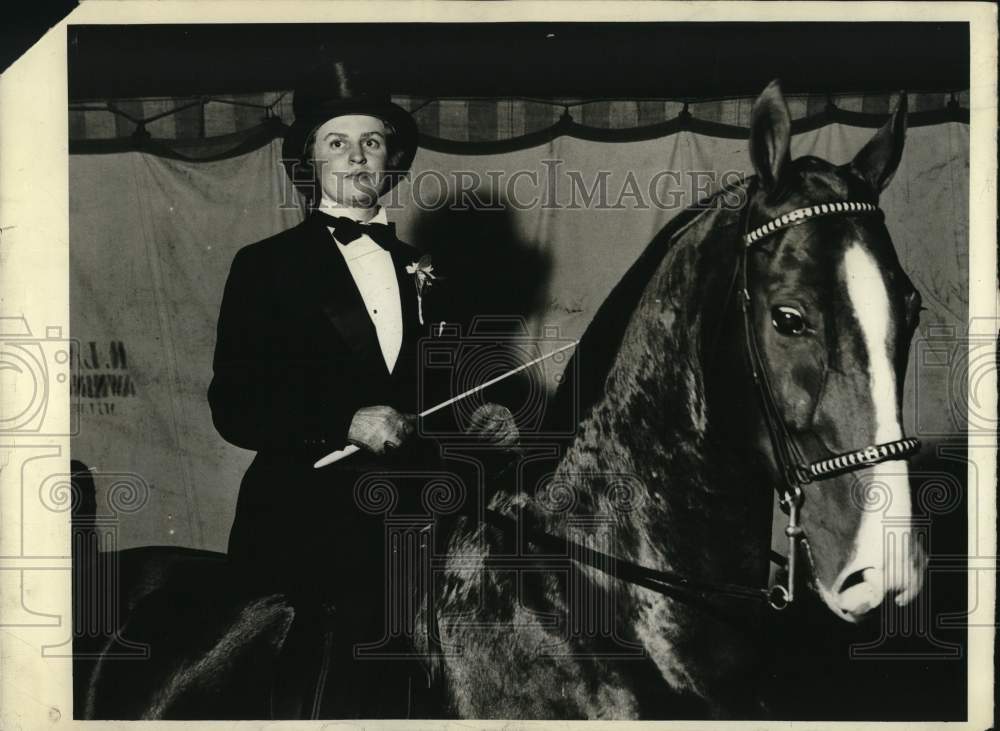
[[333, 90]]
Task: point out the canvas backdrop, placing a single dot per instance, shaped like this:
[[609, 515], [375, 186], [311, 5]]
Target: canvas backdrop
[[151, 240]]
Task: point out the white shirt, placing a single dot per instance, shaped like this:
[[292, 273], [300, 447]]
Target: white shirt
[[374, 273]]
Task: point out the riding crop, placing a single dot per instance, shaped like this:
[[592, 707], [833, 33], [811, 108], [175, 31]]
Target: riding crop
[[350, 449]]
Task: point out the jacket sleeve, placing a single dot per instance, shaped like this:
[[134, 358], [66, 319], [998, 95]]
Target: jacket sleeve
[[261, 396]]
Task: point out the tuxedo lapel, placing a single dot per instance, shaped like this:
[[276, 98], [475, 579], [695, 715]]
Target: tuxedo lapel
[[338, 295], [342, 304]]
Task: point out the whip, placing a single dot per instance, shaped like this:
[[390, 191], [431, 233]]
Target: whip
[[353, 448]]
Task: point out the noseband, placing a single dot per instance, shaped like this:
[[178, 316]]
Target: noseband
[[795, 470]]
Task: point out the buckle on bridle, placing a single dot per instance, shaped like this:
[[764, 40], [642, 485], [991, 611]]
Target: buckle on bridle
[[791, 498], [870, 455]]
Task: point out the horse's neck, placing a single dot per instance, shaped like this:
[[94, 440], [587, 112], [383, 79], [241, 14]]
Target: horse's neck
[[646, 435], [651, 422], [682, 512]]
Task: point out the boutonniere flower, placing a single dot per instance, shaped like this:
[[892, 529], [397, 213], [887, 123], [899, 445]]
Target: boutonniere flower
[[423, 277]]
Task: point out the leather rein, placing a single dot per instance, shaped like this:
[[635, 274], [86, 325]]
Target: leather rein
[[795, 470]]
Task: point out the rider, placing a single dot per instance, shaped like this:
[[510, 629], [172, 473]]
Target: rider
[[316, 349]]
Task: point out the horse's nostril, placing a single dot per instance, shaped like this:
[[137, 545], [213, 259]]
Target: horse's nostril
[[860, 592], [858, 577]]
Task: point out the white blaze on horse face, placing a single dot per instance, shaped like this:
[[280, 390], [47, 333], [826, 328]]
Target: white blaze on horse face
[[881, 559]]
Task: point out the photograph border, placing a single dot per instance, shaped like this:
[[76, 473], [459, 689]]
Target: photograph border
[[35, 690]]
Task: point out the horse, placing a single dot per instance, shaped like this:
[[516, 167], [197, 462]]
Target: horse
[[755, 350]]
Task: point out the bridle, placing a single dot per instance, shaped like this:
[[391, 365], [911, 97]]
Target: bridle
[[795, 470]]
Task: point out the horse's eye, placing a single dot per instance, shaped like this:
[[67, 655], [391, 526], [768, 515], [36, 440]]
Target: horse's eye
[[787, 320]]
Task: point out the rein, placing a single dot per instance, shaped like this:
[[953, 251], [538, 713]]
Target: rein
[[663, 582]]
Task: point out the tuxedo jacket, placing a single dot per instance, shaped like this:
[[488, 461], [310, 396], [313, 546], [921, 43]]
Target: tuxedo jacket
[[296, 356]]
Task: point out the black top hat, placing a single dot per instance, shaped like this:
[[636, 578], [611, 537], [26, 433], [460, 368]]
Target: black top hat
[[334, 89]]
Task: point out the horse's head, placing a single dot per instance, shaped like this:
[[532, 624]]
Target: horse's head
[[833, 313]]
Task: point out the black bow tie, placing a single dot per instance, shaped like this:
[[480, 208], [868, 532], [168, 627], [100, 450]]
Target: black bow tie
[[347, 230]]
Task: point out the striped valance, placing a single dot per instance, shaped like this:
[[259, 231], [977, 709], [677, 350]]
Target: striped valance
[[484, 125]]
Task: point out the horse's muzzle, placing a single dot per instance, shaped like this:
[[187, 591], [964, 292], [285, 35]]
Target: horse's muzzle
[[860, 589]]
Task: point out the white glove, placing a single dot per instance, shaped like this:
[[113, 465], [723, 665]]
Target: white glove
[[381, 429]]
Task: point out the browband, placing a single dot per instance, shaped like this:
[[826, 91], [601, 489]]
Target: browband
[[793, 218]]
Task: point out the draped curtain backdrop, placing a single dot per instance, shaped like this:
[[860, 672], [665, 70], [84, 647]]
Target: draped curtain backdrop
[[154, 226]]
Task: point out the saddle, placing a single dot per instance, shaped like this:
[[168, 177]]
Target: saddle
[[321, 672]]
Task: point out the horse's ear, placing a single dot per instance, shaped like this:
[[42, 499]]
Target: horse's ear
[[879, 159], [770, 136]]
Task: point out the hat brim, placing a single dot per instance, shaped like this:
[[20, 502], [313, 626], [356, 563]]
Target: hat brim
[[293, 148]]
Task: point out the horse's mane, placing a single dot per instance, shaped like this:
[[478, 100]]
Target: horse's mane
[[587, 371]]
